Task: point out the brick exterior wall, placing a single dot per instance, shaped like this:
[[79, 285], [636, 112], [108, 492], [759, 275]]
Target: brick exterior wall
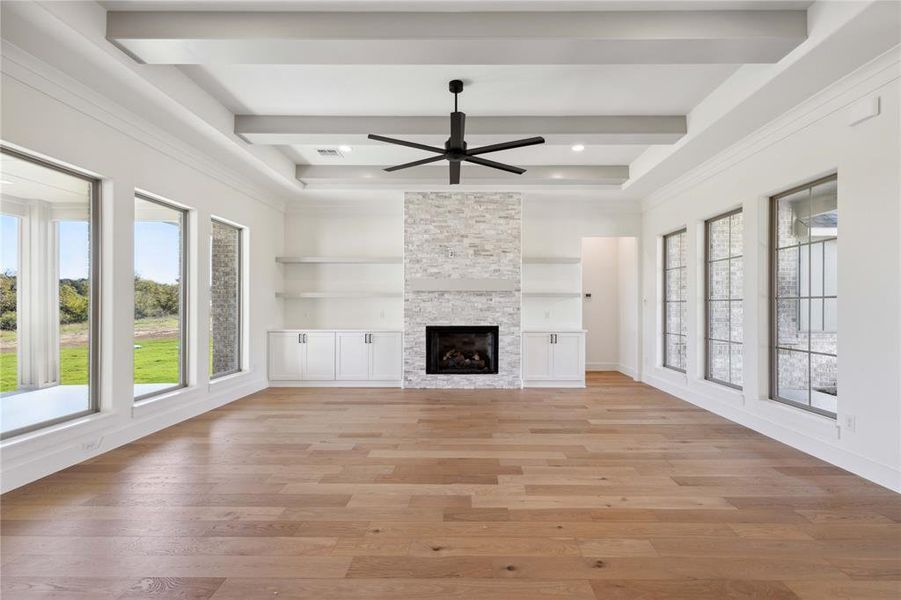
[[225, 292]]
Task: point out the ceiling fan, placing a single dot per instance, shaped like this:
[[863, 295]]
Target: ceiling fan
[[455, 150]]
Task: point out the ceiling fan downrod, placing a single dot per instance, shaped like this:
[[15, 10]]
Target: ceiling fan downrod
[[455, 150]]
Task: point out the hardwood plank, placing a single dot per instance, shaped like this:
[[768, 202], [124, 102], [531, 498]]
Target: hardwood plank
[[614, 491]]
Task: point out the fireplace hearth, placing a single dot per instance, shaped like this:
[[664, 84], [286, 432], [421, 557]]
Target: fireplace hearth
[[461, 350]]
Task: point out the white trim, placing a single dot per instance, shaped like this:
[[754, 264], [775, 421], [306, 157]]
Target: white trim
[[46, 79], [336, 384], [553, 383], [841, 94], [602, 366], [802, 440]]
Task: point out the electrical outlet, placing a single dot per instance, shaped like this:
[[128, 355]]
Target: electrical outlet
[[547, 315], [849, 422], [91, 445], [382, 314]]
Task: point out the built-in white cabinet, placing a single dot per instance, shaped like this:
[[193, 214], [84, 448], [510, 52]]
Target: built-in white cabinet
[[553, 358], [386, 355], [301, 356], [336, 358], [285, 356]]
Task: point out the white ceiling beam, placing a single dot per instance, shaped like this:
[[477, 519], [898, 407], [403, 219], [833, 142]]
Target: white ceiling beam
[[460, 38], [312, 130], [582, 175]]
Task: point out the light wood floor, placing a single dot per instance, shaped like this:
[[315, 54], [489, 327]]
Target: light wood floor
[[617, 491]]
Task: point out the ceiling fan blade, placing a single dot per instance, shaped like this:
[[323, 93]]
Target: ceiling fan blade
[[454, 173], [457, 128], [494, 165], [506, 146], [381, 138], [415, 163]]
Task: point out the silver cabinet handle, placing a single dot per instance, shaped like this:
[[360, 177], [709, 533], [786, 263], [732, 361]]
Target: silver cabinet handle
[[300, 338], [304, 338], [366, 338]]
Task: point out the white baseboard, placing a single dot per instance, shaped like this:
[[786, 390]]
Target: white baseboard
[[599, 366], [554, 384], [98, 440], [881, 474], [336, 384]]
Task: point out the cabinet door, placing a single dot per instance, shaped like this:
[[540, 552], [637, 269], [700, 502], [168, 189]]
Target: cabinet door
[[569, 356], [285, 356], [537, 363], [385, 356], [320, 356], [352, 356]]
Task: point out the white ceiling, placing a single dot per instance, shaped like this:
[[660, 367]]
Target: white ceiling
[[453, 5], [411, 90], [421, 90], [249, 73]]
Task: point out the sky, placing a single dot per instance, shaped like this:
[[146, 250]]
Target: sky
[[156, 249]]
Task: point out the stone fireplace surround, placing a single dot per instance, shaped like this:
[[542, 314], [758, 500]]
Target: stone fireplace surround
[[462, 266]]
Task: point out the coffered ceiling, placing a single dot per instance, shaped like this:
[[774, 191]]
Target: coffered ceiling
[[630, 95], [610, 79]]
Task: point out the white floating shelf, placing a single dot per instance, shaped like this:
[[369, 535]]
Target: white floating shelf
[[551, 260], [318, 295], [552, 294], [340, 260]]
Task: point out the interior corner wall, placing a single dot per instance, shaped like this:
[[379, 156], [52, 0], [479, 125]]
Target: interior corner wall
[[815, 139], [49, 118], [628, 305]]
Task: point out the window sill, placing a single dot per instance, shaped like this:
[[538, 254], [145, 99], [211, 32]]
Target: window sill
[[231, 377], [51, 434], [157, 403]]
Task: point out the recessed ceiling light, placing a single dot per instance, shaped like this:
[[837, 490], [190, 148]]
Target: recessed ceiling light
[[556, 176], [345, 149], [4, 182], [578, 147]]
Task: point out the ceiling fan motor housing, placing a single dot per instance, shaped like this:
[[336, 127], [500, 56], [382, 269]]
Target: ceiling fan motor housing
[[455, 149]]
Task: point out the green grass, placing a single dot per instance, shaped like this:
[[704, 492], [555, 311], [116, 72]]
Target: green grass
[[156, 361]]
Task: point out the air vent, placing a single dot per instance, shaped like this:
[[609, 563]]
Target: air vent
[[329, 152]]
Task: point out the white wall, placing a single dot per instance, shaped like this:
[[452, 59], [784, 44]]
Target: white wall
[[49, 114], [600, 313], [554, 224], [371, 226], [628, 303], [813, 140]]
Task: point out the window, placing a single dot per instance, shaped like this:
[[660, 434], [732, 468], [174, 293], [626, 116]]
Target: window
[[48, 293], [804, 290], [225, 299], [674, 283], [160, 297], [724, 276]]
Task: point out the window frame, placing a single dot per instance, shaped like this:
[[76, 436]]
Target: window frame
[[241, 230], [684, 268], [773, 392], [94, 298], [707, 262], [185, 297]]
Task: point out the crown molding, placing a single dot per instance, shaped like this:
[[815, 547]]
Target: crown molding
[[877, 73]]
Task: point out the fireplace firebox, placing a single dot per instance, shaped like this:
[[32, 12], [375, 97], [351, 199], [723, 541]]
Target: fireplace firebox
[[461, 350]]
